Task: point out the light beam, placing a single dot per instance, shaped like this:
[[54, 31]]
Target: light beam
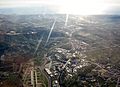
[[53, 25], [39, 42], [66, 20]]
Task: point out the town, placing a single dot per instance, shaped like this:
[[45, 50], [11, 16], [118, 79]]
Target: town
[[39, 51]]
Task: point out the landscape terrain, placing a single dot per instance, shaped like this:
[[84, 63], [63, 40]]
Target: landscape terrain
[[53, 50]]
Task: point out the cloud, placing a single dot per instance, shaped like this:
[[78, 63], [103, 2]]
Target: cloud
[[114, 10]]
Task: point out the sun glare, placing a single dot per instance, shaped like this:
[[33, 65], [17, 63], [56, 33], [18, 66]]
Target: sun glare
[[83, 7]]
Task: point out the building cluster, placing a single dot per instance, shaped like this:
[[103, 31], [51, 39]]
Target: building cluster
[[62, 60]]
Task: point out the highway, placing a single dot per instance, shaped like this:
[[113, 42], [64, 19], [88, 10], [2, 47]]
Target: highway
[[41, 68], [31, 77]]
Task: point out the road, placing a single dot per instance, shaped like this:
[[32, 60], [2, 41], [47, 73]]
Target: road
[[31, 73], [41, 68]]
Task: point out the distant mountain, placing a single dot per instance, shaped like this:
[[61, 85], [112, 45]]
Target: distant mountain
[[26, 10]]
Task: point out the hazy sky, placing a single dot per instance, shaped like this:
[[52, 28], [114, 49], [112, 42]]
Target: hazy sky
[[75, 6], [14, 3]]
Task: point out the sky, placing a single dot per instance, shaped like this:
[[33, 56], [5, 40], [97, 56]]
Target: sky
[[68, 6]]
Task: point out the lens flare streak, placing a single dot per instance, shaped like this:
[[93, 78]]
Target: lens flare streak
[[39, 42], [66, 20], [51, 31]]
